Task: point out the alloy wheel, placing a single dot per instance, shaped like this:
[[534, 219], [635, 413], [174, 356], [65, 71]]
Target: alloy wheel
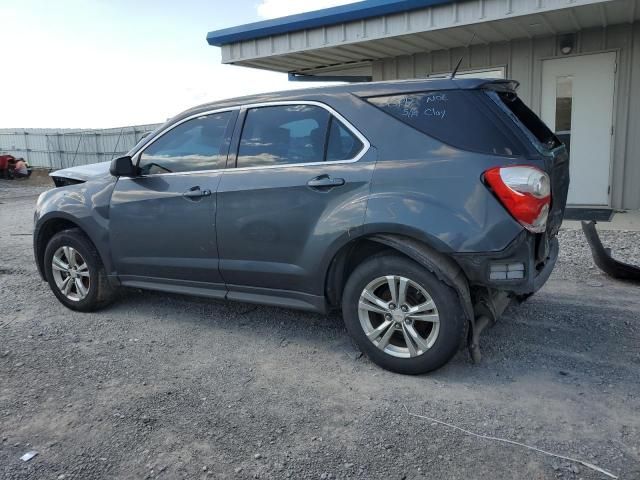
[[71, 273], [398, 316]]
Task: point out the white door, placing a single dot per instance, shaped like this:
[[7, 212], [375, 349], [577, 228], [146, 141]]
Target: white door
[[577, 104]]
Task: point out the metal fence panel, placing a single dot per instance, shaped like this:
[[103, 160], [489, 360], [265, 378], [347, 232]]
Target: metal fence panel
[[62, 148]]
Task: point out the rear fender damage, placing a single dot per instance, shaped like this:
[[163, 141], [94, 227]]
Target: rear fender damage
[[481, 309]]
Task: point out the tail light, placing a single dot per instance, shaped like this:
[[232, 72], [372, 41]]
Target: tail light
[[525, 192]]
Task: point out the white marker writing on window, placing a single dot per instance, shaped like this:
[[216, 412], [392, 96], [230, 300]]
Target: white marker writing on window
[[434, 112]]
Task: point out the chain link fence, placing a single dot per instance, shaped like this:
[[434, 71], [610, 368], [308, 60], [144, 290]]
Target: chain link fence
[[60, 148]]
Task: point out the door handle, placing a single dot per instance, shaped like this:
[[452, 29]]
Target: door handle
[[325, 181], [195, 192]]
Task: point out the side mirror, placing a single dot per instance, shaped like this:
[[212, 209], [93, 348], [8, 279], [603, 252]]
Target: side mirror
[[122, 167]]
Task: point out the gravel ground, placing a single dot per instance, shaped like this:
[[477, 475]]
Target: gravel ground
[[162, 386]]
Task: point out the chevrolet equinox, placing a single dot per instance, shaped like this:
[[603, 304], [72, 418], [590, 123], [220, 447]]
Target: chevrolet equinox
[[420, 208]]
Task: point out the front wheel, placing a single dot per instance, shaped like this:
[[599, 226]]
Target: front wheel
[[401, 315], [75, 272]]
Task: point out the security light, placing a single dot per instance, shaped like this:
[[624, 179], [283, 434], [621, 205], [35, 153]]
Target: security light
[[566, 44]]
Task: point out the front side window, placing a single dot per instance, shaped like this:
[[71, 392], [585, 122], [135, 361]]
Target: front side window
[[459, 118], [197, 144], [283, 134]]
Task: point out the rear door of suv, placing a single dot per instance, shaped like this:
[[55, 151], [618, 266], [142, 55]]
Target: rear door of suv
[[296, 186]]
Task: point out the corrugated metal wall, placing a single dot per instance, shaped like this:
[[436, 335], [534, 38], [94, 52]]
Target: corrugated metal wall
[[60, 148], [523, 61]]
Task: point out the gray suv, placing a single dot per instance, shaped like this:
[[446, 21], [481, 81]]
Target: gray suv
[[420, 208]]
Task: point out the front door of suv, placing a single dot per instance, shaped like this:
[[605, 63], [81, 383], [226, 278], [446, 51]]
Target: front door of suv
[[299, 187], [162, 222]]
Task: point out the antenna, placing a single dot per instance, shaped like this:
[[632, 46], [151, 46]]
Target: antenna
[[455, 70]]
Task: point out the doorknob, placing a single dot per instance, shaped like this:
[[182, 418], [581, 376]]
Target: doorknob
[[195, 192], [325, 181]]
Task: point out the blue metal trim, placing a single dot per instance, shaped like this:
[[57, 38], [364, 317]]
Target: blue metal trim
[[319, 18]]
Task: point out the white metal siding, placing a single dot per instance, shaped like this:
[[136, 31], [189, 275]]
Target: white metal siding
[[627, 134], [62, 148]]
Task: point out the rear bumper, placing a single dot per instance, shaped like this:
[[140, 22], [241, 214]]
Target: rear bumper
[[537, 260]]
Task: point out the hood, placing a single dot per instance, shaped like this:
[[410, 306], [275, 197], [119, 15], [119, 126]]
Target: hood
[[83, 172]]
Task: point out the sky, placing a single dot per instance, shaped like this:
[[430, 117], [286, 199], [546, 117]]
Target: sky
[[111, 63]]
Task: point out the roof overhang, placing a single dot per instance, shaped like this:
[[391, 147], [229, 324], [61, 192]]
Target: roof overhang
[[345, 40], [318, 18]]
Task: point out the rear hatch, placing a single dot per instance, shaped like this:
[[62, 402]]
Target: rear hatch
[[546, 143], [495, 122]]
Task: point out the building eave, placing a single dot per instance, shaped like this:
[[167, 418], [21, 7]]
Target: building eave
[[347, 45], [319, 18]]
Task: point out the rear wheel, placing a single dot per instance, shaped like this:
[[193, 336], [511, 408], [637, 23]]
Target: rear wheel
[[75, 272], [401, 315]]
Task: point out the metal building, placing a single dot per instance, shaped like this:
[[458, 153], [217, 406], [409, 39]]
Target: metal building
[[577, 61]]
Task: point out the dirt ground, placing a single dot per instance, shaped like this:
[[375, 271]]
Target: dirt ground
[[162, 386]]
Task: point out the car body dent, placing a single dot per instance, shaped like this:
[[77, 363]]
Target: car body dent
[[442, 199], [84, 172], [85, 205]]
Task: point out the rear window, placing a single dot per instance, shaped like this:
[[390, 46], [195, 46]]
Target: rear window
[[460, 118], [528, 121]]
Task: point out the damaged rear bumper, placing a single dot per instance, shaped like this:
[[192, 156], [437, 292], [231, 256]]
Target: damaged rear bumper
[[522, 268]]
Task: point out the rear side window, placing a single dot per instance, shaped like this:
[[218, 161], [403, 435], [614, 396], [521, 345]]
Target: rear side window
[[456, 117], [283, 134], [533, 127], [197, 144], [292, 134]]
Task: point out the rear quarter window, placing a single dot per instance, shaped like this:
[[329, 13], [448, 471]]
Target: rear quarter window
[[456, 117]]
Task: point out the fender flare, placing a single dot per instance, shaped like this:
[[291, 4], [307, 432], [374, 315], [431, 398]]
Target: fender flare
[[442, 266]]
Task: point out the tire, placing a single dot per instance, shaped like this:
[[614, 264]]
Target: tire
[[439, 321], [95, 291]]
